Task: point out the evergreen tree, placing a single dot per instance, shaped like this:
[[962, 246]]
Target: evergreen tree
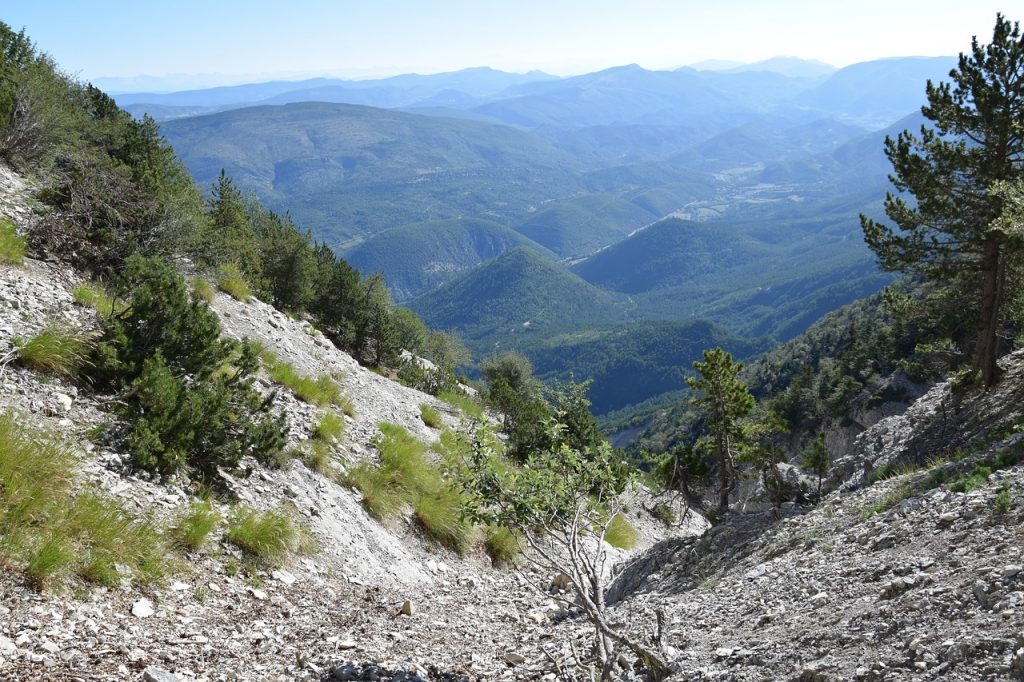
[[947, 232], [816, 459], [725, 400]]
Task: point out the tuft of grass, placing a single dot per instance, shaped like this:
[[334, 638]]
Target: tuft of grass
[[268, 537], [320, 391], [430, 416], [405, 477], [976, 479], [621, 533], [470, 407], [195, 527], [55, 350], [501, 544], [202, 289], [344, 403], [232, 282], [439, 514], [330, 427], [94, 295], [52, 531], [12, 244]]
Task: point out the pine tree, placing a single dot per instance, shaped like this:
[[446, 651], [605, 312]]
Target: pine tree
[[947, 232], [816, 459], [725, 400]]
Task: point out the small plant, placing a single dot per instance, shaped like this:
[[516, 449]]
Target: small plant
[[501, 544], [966, 484], [232, 282], [268, 537], [196, 526], [620, 533], [318, 458], [202, 289], [12, 244], [232, 567], [320, 391], [56, 350], [664, 513], [95, 296], [430, 416], [330, 427], [344, 403], [199, 595], [439, 515], [470, 407], [1003, 501]]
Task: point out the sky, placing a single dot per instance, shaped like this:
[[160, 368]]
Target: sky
[[205, 42]]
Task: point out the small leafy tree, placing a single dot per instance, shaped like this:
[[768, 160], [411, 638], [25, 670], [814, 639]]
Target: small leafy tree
[[725, 400], [763, 448], [560, 502]]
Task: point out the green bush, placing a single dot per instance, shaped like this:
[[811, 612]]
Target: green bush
[[57, 350], [191, 401], [621, 533], [12, 244], [430, 416], [195, 527], [1003, 501], [665, 514], [269, 537], [53, 533], [232, 282]]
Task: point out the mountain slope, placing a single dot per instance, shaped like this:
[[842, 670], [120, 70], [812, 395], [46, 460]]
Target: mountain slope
[[344, 170], [416, 258], [581, 225], [520, 295]]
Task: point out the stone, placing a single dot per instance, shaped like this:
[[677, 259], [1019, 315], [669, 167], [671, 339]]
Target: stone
[[7, 648], [560, 582], [258, 595], [283, 576], [64, 402], [408, 609], [1010, 572], [154, 674], [143, 608], [514, 659], [819, 598], [948, 517]]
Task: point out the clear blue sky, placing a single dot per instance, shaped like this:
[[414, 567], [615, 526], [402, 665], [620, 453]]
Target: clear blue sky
[[358, 38]]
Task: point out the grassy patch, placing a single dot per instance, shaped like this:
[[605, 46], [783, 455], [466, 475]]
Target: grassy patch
[[231, 281], [430, 416], [501, 544], [268, 537], [53, 531], [322, 390], [665, 514], [56, 350], [195, 527], [438, 512], [330, 427], [12, 244], [202, 289], [405, 477], [621, 533], [94, 295], [469, 407]]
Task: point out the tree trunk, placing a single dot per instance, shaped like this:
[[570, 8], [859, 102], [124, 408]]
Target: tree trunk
[[724, 476], [986, 353]]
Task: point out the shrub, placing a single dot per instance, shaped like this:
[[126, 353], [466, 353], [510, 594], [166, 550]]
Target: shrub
[[95, 296], [1003, 501], [501, 544], [195, 527], [664, 513], [56, 350], [12, 244], [470, 407], [430, 416], [202, 289], [190, 395], [52, 533], [621, 533], [269, 537], [232, 282]]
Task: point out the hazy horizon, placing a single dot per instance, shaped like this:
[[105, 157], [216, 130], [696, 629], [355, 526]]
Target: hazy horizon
[[193, 45]]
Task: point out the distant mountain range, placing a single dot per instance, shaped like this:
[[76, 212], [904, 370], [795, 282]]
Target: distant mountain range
[[607, 224]]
